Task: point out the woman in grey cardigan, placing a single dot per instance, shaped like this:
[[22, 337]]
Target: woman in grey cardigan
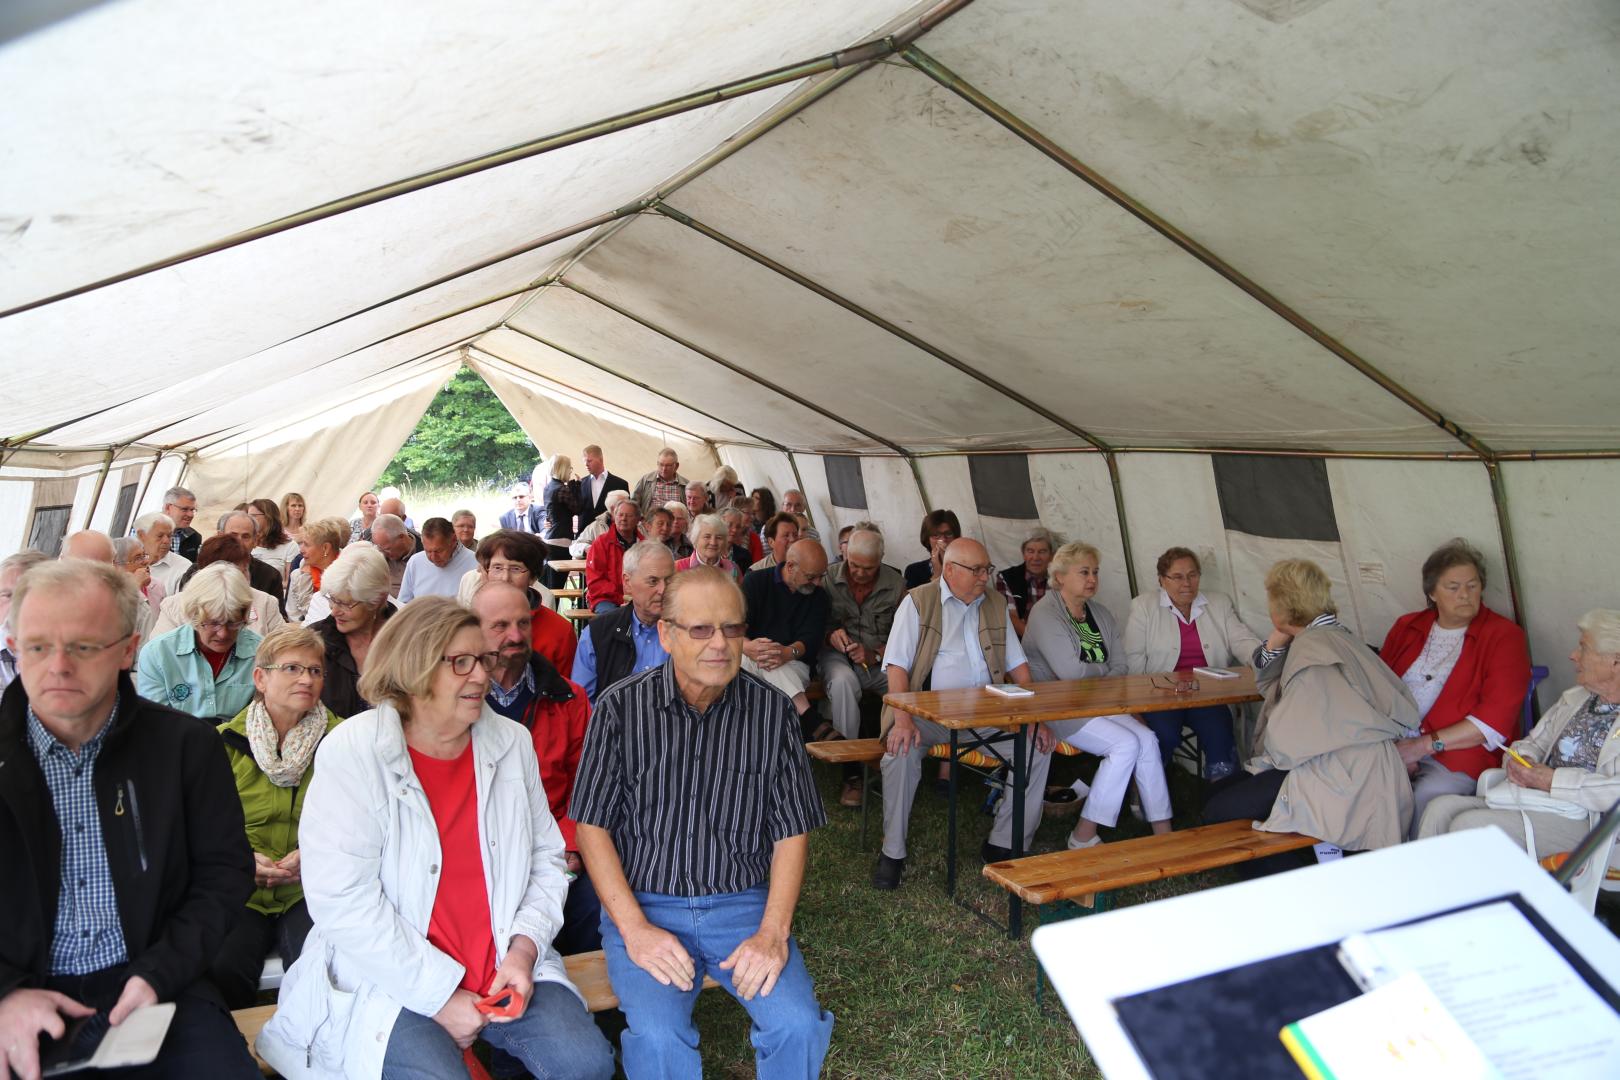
[[1071, 636]]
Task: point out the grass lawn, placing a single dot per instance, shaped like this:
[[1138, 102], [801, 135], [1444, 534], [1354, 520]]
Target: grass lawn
[[919, 986]]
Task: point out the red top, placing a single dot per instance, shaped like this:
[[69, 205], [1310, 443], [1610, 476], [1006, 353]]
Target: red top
[[460, 924], [604, 572], [558, 728], [553, 638], [756, 547], [216, 660], [1489, 681], [1192, 646]]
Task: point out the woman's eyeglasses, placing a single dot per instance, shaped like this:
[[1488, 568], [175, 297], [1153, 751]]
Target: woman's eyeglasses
[[297, 671], [462, 663]]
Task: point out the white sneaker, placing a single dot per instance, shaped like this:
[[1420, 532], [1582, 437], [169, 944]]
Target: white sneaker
[[1080, 845]]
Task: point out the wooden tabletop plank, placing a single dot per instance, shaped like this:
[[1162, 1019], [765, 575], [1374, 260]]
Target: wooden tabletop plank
[[1061, 875], [978, 707], [566, 566]]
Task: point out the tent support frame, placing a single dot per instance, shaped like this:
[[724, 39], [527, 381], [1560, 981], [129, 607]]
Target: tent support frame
[[101, 482], [536, 338], [736, 88], [995, 385], [151, 474]]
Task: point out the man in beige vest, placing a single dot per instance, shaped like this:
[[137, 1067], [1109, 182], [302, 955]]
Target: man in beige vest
[[950, 634]]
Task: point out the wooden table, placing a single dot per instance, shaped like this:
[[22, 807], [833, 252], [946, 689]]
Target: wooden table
[[965, 710], [566, 566]]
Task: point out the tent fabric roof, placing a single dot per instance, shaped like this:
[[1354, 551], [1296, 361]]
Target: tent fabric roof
[[1424, 184]]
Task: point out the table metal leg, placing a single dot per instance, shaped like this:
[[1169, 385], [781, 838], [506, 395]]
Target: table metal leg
[[950, 817], [1020, 780]]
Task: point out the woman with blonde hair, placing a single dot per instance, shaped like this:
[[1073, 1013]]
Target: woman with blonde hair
[[319, 546], [1070, 635], [434, 871], [271, 748], [294, 511], [205, 666], [1329, 766]]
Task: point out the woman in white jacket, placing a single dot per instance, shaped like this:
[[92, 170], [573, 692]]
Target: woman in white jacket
[[434, 872], [1179, 628]]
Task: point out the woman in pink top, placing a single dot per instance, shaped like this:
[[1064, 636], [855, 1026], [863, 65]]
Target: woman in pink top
[[1179, 628], [710, 536]]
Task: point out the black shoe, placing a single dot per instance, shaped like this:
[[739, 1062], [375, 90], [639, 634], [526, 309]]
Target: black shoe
[[994, 852], [886, 874]]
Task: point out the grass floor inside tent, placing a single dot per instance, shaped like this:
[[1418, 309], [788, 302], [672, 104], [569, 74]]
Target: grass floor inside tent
[[919, 986]]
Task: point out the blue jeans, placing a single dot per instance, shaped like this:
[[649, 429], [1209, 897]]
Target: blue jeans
[[602, 607], [791, 1031], [554, 1038], [1213, 726]]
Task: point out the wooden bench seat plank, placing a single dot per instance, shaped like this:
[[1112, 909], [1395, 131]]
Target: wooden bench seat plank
[[1064, 875], [587, 971], [845, 751]]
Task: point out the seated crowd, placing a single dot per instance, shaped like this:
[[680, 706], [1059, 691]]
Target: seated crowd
[[495, 791]]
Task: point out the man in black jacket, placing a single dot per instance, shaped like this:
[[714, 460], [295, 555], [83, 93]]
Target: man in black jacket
[[624, 642], [121, 834], [787, 619]]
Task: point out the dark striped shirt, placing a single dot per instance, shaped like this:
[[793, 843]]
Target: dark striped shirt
[[695, 801]]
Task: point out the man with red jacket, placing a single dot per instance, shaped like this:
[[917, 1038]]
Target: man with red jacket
[[523, 686], [604, 562]]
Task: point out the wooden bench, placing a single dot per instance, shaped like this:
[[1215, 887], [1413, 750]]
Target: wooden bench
[[568, 594], [1081, 875], [578, 614], [587, 971]]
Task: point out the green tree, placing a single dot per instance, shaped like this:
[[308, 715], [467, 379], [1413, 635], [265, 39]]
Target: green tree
[[465, 436]]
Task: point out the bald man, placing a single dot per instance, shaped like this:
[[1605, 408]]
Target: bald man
[[950, 634], [88, 544], [787, 619]]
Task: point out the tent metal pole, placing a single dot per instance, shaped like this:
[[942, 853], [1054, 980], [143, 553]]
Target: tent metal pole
[[922, 488], [1124, 526], [151, 474], [599, 366], [185, 467], [875, 319], [735, 369], [798, 482], [1025, 131], [857, 54], [1504, 526], [101, 482]]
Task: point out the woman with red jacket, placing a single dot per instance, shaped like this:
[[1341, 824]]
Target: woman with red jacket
[[1468, 668]]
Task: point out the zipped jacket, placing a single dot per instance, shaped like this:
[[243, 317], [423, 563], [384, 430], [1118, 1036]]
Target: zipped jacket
[[172, 826]]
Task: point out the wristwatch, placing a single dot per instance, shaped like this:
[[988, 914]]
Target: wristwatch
[[1438, 746]]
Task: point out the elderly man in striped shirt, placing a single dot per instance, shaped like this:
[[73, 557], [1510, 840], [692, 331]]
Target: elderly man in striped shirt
[[693, 803]]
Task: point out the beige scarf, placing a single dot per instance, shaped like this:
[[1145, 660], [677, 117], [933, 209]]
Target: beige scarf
[[284, 766]]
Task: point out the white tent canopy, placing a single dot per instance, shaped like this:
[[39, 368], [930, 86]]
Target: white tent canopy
[[1059, 262]]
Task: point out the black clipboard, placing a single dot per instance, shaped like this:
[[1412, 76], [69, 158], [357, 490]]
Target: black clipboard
[[1225, 1024]]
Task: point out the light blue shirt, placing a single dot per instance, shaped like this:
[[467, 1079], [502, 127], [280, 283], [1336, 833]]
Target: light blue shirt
[[960, 663], [422, 578], [172, 671], [649, 654]]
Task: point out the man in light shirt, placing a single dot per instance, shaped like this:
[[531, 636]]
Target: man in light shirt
[[438, 568]]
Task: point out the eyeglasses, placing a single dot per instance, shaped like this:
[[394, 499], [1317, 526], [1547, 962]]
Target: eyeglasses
[[341, 605], [297, 671], [501, 571], [1174, 685], [215, 626], [705, 631], [1182, 579], [75, 650], [462, 663], [977, 571]]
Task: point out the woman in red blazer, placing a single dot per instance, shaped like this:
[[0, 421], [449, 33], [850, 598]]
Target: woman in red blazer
[[1468, 668]]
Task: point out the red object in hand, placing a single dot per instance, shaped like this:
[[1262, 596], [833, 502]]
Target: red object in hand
[[475, 1068], [506, 1004]]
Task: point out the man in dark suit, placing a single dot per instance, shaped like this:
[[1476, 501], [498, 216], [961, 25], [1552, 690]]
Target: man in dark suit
[[595, 485], [524, 515]]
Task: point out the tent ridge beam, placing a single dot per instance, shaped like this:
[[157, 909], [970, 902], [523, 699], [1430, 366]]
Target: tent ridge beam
[[1035, 138], [735, 369], [736, 88], [872, 317], [648, 387]]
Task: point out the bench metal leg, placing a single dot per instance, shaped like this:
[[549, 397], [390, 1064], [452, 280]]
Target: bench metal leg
[[1020, 781], [950, 817], [866, 794]]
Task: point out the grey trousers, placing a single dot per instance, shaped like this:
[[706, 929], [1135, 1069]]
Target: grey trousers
[[1432, 781], [901, 774], [1453, 813], [844, 683]]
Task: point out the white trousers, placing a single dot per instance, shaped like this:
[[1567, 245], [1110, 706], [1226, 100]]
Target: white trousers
[[1127, 748], [791, 678]]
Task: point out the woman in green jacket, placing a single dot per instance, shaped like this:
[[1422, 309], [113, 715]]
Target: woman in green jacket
[[271, 745]]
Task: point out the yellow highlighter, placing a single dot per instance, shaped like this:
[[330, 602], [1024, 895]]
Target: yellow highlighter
[[1516, 756]]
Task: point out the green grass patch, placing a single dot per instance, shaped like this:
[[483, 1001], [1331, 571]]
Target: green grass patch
[[921, 987]]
